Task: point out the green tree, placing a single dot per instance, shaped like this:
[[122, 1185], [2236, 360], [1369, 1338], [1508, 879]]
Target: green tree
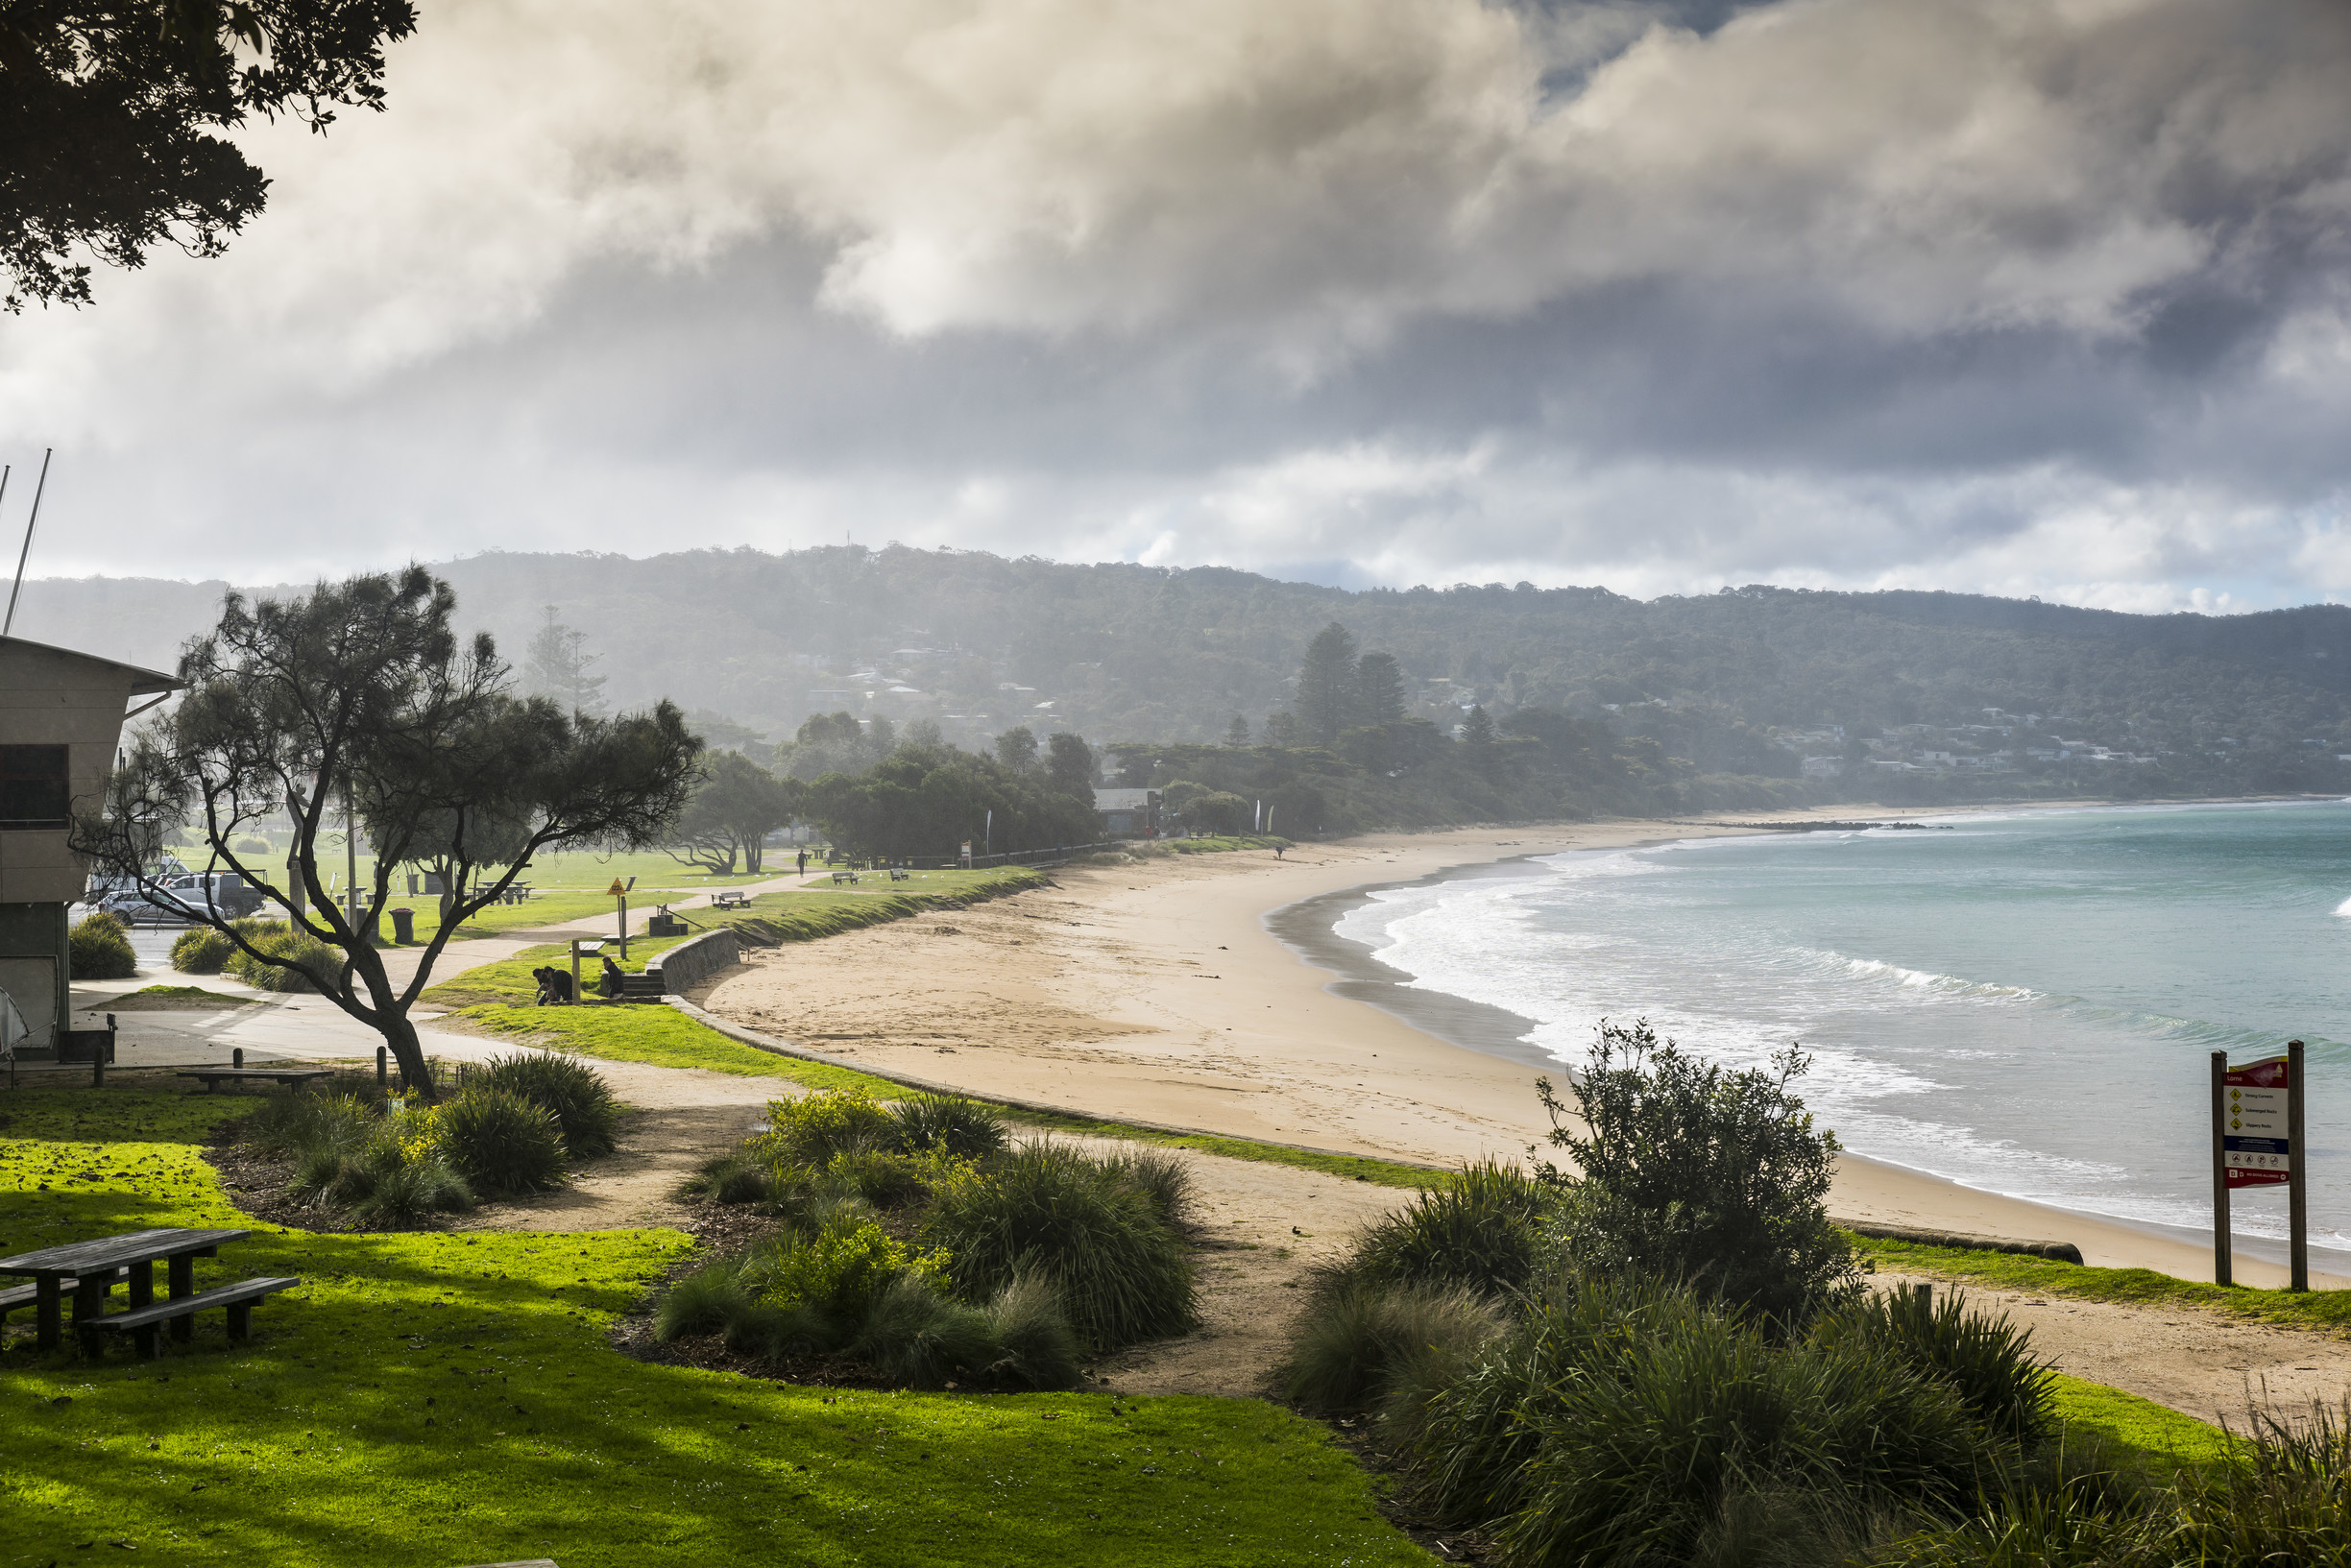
[[556, 668], [1478, 740], [1327, 684], [1069, 763], [1237, 732], [1284, 729], [1691, 1173], [1379, 688], [735, 806], [108, 110], [1017, 748], [362, 686]]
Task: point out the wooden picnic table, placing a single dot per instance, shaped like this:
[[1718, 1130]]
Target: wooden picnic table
[[729, 900], [295, 1078], [95, 1265]]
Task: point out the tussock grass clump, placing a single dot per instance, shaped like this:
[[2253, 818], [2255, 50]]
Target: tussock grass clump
[[1094, 1230], [201, 950], [1367, 1344], [954, 1123], [1481, 1229], [286, 946], [502, 1142], [100, 950], [1987, 1358], [573, 1093], [733, 1177], [349, 1155]]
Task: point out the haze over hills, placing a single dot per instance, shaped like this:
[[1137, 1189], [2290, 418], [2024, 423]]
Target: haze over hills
[[1747, 683]]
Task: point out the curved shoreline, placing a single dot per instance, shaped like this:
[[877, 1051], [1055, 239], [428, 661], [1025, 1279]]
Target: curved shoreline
[[1308, 928]]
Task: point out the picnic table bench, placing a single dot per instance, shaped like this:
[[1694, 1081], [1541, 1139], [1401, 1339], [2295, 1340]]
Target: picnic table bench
[[730, 899], [91, 1269], [295, 1078]]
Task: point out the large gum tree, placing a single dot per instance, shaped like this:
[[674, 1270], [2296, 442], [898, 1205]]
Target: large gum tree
[[359, 697]]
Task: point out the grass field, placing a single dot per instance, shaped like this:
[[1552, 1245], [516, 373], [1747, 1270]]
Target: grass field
[[441, 1398]]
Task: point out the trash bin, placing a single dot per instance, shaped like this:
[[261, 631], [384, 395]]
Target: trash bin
[[403, 926]]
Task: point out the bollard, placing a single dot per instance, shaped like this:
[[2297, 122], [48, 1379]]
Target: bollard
[[1926, 1296], [236, 1058], [383, 1074], [97, 1067]]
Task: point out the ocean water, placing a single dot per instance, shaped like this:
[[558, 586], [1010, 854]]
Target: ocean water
[[2024, 1003]]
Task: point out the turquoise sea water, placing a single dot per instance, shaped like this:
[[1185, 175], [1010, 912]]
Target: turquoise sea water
[[2024, 1003]]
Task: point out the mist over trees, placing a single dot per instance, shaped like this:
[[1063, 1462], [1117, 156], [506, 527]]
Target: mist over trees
[[1705, 696]]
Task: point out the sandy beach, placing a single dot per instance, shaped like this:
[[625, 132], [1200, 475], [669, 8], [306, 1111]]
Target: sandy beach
[[1156, 991]]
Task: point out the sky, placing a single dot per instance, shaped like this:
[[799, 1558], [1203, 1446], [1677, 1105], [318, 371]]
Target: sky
[[2022, 297]]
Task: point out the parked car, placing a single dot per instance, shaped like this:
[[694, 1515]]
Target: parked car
[[189, 896]]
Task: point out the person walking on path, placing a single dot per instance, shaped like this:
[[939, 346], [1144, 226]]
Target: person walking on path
[[804, 862]]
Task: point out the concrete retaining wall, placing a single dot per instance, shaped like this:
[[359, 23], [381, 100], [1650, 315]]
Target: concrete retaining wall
[[690, 963]]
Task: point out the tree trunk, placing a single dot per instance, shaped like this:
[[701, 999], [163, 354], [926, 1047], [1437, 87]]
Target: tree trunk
[[406, 1050]]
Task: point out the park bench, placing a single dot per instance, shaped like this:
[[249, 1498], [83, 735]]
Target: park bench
[[840, 876], [91, 1271], [898, 876], [729, 898], [295, 1078]]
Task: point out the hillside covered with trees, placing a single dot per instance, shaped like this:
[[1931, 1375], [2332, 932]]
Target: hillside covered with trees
[[1585, 699]]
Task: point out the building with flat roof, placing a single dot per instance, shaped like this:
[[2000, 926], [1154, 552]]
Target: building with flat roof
[[61, 715], [1128, 813]]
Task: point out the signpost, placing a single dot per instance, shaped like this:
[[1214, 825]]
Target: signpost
[[2257, 1142], [621, 892]]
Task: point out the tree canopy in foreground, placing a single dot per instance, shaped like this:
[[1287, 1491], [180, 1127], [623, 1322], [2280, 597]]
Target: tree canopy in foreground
[[108, 110]]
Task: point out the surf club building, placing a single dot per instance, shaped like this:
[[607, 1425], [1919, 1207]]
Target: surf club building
[[61, 716]]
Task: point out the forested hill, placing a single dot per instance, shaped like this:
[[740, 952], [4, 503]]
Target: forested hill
[[1745, 682]]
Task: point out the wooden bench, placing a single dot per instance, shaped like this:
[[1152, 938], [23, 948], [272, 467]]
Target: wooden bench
[[29, 1295], [730, 900], [295, 1078], [180, 1312], [898, 876], [840, 876]]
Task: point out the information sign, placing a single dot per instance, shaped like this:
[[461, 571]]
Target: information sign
[[2254, 1136]]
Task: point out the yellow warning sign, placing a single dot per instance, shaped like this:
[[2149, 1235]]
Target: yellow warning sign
[[616, 889]]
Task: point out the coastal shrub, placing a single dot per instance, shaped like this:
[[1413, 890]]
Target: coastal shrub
[[1988, 1359], [251, 846], [1019, 1339], [962, 1127], [1627, 1420], [98, 949], [1482, 1229], [1357, 1347], [887, 1181], [286, 1124], [2287, 1499], [280, 950], [839, 1268], [1046, 1210], [2065, 1527], [348, 1155], [703, 1302], [1688, 1171], [572, 1091], [502, 1142], [201, 950], [813, 1128]]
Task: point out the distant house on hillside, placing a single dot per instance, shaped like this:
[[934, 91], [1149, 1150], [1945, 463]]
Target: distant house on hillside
[[1128, 813], [61, 718]]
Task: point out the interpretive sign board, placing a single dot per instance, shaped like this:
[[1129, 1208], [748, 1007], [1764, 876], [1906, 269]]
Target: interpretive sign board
[[2257, 1142], [2254, 1142]]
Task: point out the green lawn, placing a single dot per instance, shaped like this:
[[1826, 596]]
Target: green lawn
[[2326, 1311], [435, 1399], [2159, 1437]]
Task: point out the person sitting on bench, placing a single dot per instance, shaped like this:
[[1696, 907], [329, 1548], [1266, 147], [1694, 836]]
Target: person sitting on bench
[[554, 985]]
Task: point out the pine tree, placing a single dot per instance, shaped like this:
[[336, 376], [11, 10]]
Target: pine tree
[[557, 664], [1379, 690], [1326, 684], [1237, 732], [1478, 738]]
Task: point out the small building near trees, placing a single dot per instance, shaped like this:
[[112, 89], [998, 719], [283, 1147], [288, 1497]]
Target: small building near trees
[[61, 716], [1128, 813]]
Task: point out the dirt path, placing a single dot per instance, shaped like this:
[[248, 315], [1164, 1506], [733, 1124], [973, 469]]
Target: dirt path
[[2198, 1362]]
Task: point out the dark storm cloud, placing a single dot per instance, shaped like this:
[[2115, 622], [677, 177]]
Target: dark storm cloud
[[2030, 295]]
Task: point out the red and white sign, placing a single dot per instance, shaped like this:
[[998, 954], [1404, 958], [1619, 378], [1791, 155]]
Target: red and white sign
[[2254, 1147]]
